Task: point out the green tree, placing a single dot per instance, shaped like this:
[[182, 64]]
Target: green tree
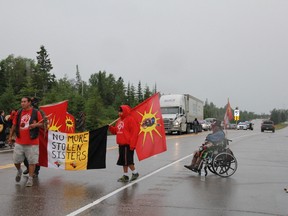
[[9, 100], [42, 79], [94, 109], [28, 89], [131, 99], [119, 92], [154, 91], [79, 83], [14, 72], [147, 92], [104, 86], [139, 93]]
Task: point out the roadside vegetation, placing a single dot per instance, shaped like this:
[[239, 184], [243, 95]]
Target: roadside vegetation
[[99, 98], [281, 125]]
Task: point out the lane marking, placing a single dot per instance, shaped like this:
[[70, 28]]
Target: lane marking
[[90, 205], [7, 166], [96, 202]]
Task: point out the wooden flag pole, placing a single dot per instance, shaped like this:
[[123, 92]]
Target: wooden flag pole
[[113, 121], [44, 118]]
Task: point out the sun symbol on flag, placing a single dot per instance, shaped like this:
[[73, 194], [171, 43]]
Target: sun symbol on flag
[[69, 124], [148, 124], [53, 126]]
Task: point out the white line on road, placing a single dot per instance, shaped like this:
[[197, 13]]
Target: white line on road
[[124, 187]]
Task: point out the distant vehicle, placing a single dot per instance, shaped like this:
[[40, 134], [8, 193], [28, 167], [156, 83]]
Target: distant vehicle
[[179, 112], [249, 125], [232, 126], [268, 125], [205, 125], [242, 126], [210, 120]]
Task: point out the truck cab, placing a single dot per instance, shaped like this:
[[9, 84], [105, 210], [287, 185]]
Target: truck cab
[[178, 112]]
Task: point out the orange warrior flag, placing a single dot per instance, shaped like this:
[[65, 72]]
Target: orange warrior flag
[[228, 114], [56, 115], [151, 138], [57, 119]]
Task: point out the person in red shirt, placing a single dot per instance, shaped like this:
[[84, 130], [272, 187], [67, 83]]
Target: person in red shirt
[[26, 126], [12, 115], [126, 130]]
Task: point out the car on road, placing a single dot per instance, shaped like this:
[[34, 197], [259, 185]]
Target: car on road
[[249, 125], [210, 120], [268, 125], [242, 126], [205, 125], [232, 126]]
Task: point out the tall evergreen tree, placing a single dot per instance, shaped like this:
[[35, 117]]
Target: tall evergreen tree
[[154, 91], [79, 83], [147, 92], [133, 96], [139, 93], [42, 78], [119, 92]]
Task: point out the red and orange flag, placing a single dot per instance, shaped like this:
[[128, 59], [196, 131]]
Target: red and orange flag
[[151, 138], [228, 114], [58, 120]]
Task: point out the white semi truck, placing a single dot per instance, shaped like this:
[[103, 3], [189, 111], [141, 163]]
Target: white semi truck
[[179, 112]]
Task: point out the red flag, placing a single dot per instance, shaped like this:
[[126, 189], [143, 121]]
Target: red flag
[[151, 139], [228, 114], [56, 116]]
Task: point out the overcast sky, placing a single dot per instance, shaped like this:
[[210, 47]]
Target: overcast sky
[[212, 49]]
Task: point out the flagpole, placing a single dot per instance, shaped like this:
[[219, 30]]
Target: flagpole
[[44, 118], [113, 121]]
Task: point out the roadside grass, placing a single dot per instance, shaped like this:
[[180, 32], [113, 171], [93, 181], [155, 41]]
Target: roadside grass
[[281, 125]]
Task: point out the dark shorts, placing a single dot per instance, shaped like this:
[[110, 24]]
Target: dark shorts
[[126, 156]]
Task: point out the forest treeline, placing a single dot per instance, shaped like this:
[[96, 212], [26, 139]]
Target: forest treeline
[[99, 98]]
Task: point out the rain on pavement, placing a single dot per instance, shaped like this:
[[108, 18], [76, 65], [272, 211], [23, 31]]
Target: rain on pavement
[[164, 187]]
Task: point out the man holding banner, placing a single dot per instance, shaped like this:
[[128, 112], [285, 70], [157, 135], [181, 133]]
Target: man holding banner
[[126, 130]]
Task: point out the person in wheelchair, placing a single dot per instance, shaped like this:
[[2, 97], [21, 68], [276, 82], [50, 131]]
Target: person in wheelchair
[[217, 136]]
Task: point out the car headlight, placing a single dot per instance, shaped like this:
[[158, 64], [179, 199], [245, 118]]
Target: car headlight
[[176, 123]]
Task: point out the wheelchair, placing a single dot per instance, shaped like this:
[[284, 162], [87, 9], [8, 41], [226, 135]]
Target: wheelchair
[[219, 159]]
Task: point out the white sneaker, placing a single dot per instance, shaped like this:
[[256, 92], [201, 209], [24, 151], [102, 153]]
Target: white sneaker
[[29, 182]]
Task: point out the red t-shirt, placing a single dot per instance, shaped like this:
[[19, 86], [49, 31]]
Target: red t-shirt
[[24, 138]]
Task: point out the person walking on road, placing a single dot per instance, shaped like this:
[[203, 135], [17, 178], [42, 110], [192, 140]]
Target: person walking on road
[[35, 105], [9, 125], [126, 138], [26, 126], [2, 129], [196, 125]]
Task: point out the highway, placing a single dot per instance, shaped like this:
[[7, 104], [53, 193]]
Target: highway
[[165, 187]]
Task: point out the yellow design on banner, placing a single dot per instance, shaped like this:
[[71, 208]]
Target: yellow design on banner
[[77, 151]]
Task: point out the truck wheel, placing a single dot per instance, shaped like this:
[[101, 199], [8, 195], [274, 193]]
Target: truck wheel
[[188, 128]]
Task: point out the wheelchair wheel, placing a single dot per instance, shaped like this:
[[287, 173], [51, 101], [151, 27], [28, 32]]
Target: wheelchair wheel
[[210, 168], [224, 164]]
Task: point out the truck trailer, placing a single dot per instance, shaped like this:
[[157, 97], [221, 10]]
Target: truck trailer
[[179, 112]]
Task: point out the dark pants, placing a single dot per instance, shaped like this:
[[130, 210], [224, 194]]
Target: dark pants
[[37, 167]]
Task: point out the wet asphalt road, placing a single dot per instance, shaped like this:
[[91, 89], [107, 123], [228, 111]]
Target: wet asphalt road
[[165, 187]]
